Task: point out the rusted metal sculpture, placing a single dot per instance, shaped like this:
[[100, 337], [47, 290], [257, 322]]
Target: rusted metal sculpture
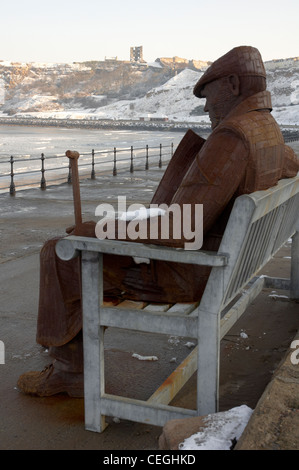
[[244, 153]]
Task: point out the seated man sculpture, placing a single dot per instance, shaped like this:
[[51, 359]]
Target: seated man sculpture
[[245, 152]]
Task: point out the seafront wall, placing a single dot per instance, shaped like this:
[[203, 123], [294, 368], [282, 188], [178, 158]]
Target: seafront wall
[[290, 132], [104, 124]]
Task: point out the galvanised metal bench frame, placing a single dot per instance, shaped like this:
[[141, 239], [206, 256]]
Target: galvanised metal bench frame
[[259, 225]]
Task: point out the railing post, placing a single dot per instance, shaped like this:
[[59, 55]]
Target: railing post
[[160, 159], [93, 175], [146, 158], [131, 166], [69, 178], [12, 188], [43, 180], [294, 291], [114, 162]]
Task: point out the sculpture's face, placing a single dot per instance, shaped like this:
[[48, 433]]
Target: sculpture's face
[[220, 99]]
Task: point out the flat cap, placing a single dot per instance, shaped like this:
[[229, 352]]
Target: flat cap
[[242, 60]]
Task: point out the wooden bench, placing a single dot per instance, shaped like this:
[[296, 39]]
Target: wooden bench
[[259, 225]]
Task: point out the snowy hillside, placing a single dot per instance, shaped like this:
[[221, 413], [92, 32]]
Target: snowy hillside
[[145, 94], [174, 100], [283, 84]]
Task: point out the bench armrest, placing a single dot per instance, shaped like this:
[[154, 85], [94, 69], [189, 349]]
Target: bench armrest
[[70, 247]]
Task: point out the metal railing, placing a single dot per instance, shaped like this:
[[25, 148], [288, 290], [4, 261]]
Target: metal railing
[[291, 138], [44, 169], [27, 171]]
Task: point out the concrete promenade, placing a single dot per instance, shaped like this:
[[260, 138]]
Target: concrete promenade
[[248, 365]]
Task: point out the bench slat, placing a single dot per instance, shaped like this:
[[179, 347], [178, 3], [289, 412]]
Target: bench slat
[[140, 411], [157, 307], [153, 322], [184, 308], [132, 304]]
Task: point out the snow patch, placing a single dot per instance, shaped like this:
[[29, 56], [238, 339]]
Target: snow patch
[[144, 358], [222, 430]]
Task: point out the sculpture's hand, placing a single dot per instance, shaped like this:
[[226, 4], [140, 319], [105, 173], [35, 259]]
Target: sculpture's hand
[[86, 229]]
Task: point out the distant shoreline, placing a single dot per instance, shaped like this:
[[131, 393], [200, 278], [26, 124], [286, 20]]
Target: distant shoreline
[[290, 132], [105, 124]]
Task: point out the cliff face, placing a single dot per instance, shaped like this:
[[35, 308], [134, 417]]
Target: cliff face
[[46, 87], [178, 63]]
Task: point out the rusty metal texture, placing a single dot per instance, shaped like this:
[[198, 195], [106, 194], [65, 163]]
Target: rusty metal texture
[[245, 152], [243, 60]]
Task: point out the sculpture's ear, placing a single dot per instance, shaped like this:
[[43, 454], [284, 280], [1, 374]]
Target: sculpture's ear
[[234, 84]]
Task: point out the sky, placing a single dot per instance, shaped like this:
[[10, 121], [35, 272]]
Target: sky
[[77, 31]]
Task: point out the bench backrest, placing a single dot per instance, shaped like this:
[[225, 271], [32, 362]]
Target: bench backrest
[[259, 224]]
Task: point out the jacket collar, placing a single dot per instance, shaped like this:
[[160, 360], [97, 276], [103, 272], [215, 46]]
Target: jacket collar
[[259, 101]]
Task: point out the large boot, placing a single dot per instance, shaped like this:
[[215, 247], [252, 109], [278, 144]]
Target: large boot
[[63, 375]]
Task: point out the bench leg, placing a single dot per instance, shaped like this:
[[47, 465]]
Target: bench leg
[[208, 363], [295, 267], [93, 341]]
